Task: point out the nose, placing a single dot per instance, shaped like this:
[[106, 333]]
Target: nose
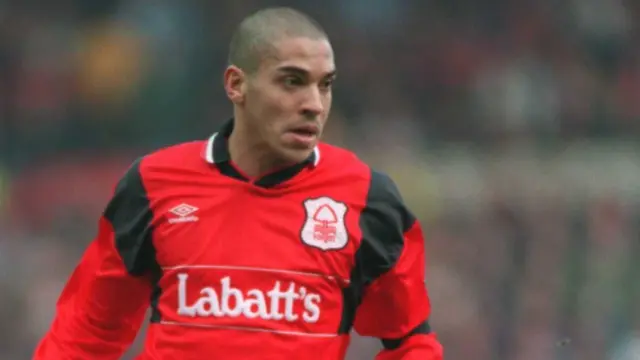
[[313, 105]]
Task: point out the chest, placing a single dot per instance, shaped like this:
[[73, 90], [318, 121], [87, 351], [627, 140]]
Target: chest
[[315, 233]]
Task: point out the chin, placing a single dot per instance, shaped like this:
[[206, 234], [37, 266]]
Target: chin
[[294, 155]]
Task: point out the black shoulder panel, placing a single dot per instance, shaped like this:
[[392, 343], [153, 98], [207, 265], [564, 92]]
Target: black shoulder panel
[[130, 215], [383, 222]]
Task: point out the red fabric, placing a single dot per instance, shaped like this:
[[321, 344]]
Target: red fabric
[[241, 277], [100, 309], [398, 301]]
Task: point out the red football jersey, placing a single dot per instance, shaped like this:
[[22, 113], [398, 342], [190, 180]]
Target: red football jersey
[[278, 267]]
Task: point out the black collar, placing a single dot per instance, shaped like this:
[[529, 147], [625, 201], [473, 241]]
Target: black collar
[[217, 152]]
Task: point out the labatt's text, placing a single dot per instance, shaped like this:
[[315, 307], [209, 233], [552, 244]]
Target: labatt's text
[[275, 304]]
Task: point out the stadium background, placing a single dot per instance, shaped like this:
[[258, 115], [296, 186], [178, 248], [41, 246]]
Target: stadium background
[[511, 126]]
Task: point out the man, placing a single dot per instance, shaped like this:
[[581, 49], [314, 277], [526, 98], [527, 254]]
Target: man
[[259, 243]]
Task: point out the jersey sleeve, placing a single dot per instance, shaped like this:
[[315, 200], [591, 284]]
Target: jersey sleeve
[[395, 305], [101, 307]]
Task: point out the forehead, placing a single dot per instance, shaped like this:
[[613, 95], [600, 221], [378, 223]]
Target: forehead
[[314, 56]]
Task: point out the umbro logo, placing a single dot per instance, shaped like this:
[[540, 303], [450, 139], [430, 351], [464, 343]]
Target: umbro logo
[[183, 213]]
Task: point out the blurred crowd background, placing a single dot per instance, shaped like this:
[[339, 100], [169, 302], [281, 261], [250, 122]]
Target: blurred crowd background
[[511, 126]]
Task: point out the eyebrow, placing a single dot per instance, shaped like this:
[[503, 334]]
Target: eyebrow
[[302, 72]]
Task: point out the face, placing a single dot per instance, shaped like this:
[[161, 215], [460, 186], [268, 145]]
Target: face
[[287, 101]]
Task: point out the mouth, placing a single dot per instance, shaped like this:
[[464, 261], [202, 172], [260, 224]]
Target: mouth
[[303, 136], [307, 130]]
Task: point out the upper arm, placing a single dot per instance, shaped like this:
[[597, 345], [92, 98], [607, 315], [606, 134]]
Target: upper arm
[[130, 217], [121, 256], [395, 303], [104, 301]]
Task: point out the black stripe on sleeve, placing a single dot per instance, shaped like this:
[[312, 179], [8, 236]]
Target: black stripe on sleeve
[[383, 223], [130, 215], [391, 344]]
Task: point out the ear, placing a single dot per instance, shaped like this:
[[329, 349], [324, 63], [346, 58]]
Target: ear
[[235, 84]]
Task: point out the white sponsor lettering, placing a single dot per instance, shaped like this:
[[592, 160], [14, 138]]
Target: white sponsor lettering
[[229, 301]]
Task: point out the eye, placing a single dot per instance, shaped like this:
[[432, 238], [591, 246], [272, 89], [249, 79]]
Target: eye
[[327, 84], [292, 81]]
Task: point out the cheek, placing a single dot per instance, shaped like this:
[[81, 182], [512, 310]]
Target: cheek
[[261, 107], [326, 106], [269, 100], [269, 112], [328, 101], [279, 110]]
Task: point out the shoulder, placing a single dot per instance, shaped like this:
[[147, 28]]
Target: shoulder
[[334, 155], [381, 188], [184, 154], [172, 163], [385, 205], [384, 222], [171, 159], [335, 162]]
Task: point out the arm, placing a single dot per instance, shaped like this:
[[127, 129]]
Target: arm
[[101, 308], [395, 306]]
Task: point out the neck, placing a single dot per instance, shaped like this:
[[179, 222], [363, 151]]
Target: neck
[[251, 155]]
